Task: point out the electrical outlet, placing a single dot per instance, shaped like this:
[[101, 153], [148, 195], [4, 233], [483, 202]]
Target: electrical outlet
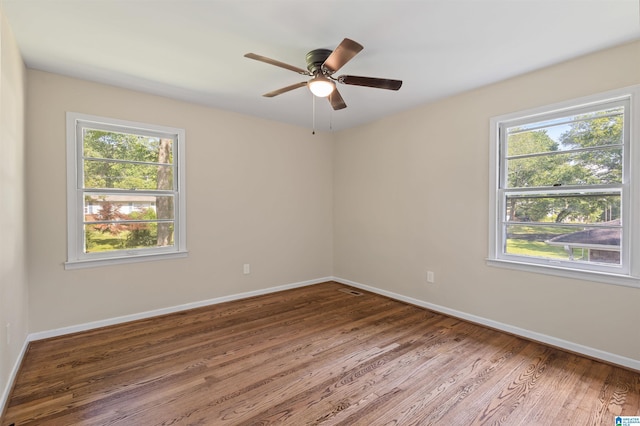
[[246, 269], [431, 277]]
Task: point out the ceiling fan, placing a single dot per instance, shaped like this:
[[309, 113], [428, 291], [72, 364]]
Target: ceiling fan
[[321, 65]]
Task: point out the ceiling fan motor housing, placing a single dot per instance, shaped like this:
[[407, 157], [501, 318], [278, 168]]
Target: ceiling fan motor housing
[[315, 59]]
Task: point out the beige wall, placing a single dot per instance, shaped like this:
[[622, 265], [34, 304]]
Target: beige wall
[[13, 273], [411, 194], [258, 192]]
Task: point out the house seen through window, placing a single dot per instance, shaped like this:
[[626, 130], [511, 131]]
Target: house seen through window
[[126, 195]]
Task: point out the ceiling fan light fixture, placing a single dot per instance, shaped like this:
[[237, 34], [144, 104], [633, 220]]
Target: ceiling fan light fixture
[[321, 86]]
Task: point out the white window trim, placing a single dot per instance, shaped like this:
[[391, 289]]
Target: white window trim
[[76, 258], [631, 198]]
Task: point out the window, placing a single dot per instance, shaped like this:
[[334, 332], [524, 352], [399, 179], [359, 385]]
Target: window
[[563, 189], [125, 191]]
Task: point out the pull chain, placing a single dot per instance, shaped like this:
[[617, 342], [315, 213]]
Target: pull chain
[[331, 119], [313, 101]]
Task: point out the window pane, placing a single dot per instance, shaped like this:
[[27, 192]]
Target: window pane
[[587, 244], [564, 208], [127, 207], [568, 168], [127, 147], [593, 129], [126, 236], [104, 174]]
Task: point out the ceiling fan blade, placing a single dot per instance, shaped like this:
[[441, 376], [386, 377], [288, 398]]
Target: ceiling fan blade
[[276, 63], [285, 89], [378, 83], [336, 100], [343, 54]]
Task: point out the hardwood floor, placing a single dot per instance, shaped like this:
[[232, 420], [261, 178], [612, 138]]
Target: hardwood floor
[[308, 356]]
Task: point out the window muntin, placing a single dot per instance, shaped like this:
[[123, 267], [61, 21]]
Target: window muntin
[[581, 227], [126, 190], [563, 188], [127, 204], [580, 124], [565, 168], [127, 160], [133, 235], [122, 175]]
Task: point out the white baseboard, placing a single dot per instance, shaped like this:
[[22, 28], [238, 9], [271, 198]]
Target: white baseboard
[[590, 352], [528, 334], [169, 310], [12, 377]]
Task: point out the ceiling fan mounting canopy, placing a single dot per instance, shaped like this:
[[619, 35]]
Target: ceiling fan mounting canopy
[[315, 60], [321, 65]]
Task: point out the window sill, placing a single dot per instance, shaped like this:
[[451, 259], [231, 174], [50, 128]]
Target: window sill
[[600, 277], [92, 263]]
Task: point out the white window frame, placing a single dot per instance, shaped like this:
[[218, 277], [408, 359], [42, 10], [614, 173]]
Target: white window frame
[[628, 273], [76, 256]]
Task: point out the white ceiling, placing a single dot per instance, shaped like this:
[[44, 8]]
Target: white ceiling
[[193, 49]]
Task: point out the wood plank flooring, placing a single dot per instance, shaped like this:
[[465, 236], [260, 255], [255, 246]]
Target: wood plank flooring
[[311, 356]]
